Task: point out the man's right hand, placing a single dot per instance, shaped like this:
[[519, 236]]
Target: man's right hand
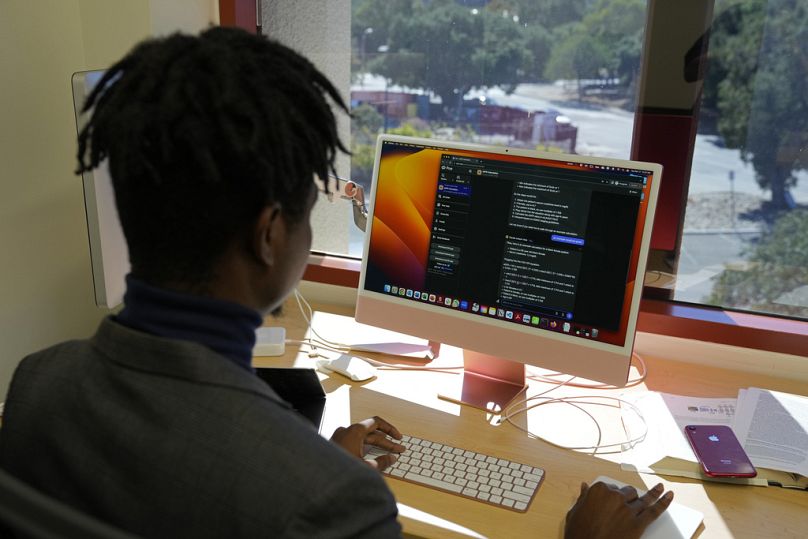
[[373, 431], [604, 511]]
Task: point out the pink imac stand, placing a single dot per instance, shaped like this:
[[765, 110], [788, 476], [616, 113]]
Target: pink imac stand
[[490, 383]]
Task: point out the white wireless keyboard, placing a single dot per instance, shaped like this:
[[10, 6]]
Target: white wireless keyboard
[[484, 478]]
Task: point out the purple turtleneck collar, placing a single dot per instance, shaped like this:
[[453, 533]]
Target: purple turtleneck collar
[[225, 327]]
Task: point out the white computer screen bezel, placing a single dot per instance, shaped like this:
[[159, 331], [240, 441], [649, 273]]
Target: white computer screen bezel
[[369, 302]]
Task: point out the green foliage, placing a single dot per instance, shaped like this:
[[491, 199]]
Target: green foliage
[[618, 27], [412, 128], [546, 13], [758, 81], [366, 124], [379, 16], [579, 56], [448, 48], [538, 45], [362, 160], [778, 264]]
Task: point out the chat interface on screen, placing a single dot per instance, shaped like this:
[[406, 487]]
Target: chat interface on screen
[[543, 244]]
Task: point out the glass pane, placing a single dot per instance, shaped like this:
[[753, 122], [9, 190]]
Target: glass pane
[[558, 75], [745, 238]]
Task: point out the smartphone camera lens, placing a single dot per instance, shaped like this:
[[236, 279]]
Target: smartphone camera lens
[[691, 427]]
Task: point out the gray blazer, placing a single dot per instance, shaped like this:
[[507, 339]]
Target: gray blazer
[[167, 438]]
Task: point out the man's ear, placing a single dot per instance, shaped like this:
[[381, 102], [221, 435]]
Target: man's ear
[[267, 232]]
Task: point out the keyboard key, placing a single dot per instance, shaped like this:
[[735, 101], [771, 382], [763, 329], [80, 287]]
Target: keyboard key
[[515, 496], [433, 482]]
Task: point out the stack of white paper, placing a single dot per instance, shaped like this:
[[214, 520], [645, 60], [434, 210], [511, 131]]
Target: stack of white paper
[[773, 429], [771, 426]]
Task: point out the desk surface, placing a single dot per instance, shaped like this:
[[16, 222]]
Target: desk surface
[[408, 399]]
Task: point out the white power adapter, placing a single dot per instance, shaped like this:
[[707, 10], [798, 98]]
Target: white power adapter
[[270, 341]]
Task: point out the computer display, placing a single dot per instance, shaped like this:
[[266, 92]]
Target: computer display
[[533, 258]]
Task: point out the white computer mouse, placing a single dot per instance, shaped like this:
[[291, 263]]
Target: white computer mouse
[[354, 368]]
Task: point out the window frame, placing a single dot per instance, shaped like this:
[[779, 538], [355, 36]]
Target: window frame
[[651, 140]]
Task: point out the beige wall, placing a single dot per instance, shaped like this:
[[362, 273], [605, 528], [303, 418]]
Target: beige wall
[[45, 281]]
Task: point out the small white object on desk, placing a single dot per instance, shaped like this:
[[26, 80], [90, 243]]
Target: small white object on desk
[[354, 368], [270, 341]]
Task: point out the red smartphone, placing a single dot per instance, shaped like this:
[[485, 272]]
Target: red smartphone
[[719, 451]]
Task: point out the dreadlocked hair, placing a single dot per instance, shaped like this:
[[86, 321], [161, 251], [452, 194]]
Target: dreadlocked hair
[[201, 133]]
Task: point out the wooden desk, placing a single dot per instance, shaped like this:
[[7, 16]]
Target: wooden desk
[[409, 401]]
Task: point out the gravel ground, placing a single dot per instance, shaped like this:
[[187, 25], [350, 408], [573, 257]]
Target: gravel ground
[[724, 211]]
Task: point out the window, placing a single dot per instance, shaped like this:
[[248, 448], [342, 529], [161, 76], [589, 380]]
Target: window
[[714, 90], [538, 75], [745, 237]]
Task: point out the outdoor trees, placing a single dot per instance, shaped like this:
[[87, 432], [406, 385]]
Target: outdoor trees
[[759, 91], [579, 56], [776, 273], [757, 84], [607, 41], [448, 48]]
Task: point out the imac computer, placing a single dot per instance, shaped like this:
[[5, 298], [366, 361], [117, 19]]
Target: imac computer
[[517, 257]]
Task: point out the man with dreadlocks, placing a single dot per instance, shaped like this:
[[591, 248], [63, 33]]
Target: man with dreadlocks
[[157, 424]]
